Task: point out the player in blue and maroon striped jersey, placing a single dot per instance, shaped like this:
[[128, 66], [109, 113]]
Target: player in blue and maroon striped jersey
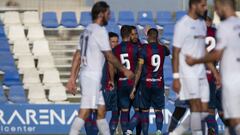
[[149, 74], [127, 53]]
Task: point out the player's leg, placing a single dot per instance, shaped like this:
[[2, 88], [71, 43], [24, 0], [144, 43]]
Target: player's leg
[[176, 117], [78, 122], [196, 117], [115, 112], [158, 103], [124, 104], [88, 124], [145, 121]]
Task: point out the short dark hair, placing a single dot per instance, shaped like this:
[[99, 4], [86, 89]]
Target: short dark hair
[[133, 27], [99, 7], [152, 33], [192, 2], [112, 34], [231, 3], [125, 31]]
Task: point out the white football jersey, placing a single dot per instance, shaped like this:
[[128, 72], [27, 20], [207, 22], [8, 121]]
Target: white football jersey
[[228, 38], [189, 35], [93, 42]]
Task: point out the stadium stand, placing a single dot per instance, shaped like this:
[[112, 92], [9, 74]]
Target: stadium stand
[[31, 18], [36, 94], [16, 94], [3, 98], [11, 18], [51, 78], [21, 48], [180, 14], [57, 93], [31, 78], [69, 19], [145, 18], [16, 32], [35, 33], [126, 17], [45, 62], [164, 17], [40, 47], [25, 63], [112, 18], [49, 20]]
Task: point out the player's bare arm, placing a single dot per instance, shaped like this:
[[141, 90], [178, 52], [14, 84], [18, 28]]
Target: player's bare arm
[[216, 74], [112, 74], [175, 61], [113, 60], [215, 55], [138, 72], [71, 85]]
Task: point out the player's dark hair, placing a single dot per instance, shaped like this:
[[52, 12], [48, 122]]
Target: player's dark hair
[[125, 31], [112, 34], [192, 2], [133, 27], [152, 33], [231, 3], [99, 7]]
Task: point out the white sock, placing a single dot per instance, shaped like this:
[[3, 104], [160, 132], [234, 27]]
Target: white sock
[[204, 123], [183, 127], [196, 122], [204, 115], [76, 126], [103, 127], [237, 129]]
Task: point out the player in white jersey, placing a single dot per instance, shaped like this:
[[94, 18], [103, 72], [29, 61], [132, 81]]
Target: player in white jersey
[[190, 82], [228, 52], [94, 48]]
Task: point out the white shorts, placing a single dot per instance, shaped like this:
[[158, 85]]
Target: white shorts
[[194, 88], [231, 99], [91, 94]]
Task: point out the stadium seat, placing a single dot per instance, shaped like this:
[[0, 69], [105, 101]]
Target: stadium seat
[[35, 33], [40, 47], [25, 63], [16, 32], [51, 78], [36, 94], [85, 18], [164, 17], [11, 18], [112, 19], [113, 28], [2, 32], [4, 45], [145, 18], [30, 18], [180, 14], [49, 20], [57, 93], [45, 63], [69, 19], [6, 60], [17, 94], [168, 32], [126, 18], [11, 76], [3, 98], [21, 48], [31, 78]]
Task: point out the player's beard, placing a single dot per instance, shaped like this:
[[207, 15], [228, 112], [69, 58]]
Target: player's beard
[[104, 21]]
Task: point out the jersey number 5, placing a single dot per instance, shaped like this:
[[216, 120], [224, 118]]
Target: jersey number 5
[[156, 61], [125, 61]]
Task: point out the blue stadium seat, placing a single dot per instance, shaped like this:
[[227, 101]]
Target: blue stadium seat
[[113, 28], [168, 32], [49, 20], [16, 94], [6, 60], [69, 19], [112, 18], [168, 75], [145, 18], [11, 76], [85, 18], [2, 32], [4, 45], [126, 18], [3, 98], [164, 17], [180, 14]]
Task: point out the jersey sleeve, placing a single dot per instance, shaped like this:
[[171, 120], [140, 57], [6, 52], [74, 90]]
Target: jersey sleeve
[[221, 38], [142, 56], [102, 39], [179, 35]]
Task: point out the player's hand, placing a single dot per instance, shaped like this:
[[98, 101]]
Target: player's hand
[[128, 73], [132, 94], [71, 86], [218, 81], [190, 61], [110, 85], [176, 85]]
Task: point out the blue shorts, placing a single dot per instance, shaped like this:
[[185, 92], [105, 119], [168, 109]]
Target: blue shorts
[[124, 101], [110, 98], [213, 99], [219, 100], [151, 97]]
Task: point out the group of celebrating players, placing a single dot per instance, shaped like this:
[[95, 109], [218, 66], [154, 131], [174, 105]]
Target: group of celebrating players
[[132, 75]]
